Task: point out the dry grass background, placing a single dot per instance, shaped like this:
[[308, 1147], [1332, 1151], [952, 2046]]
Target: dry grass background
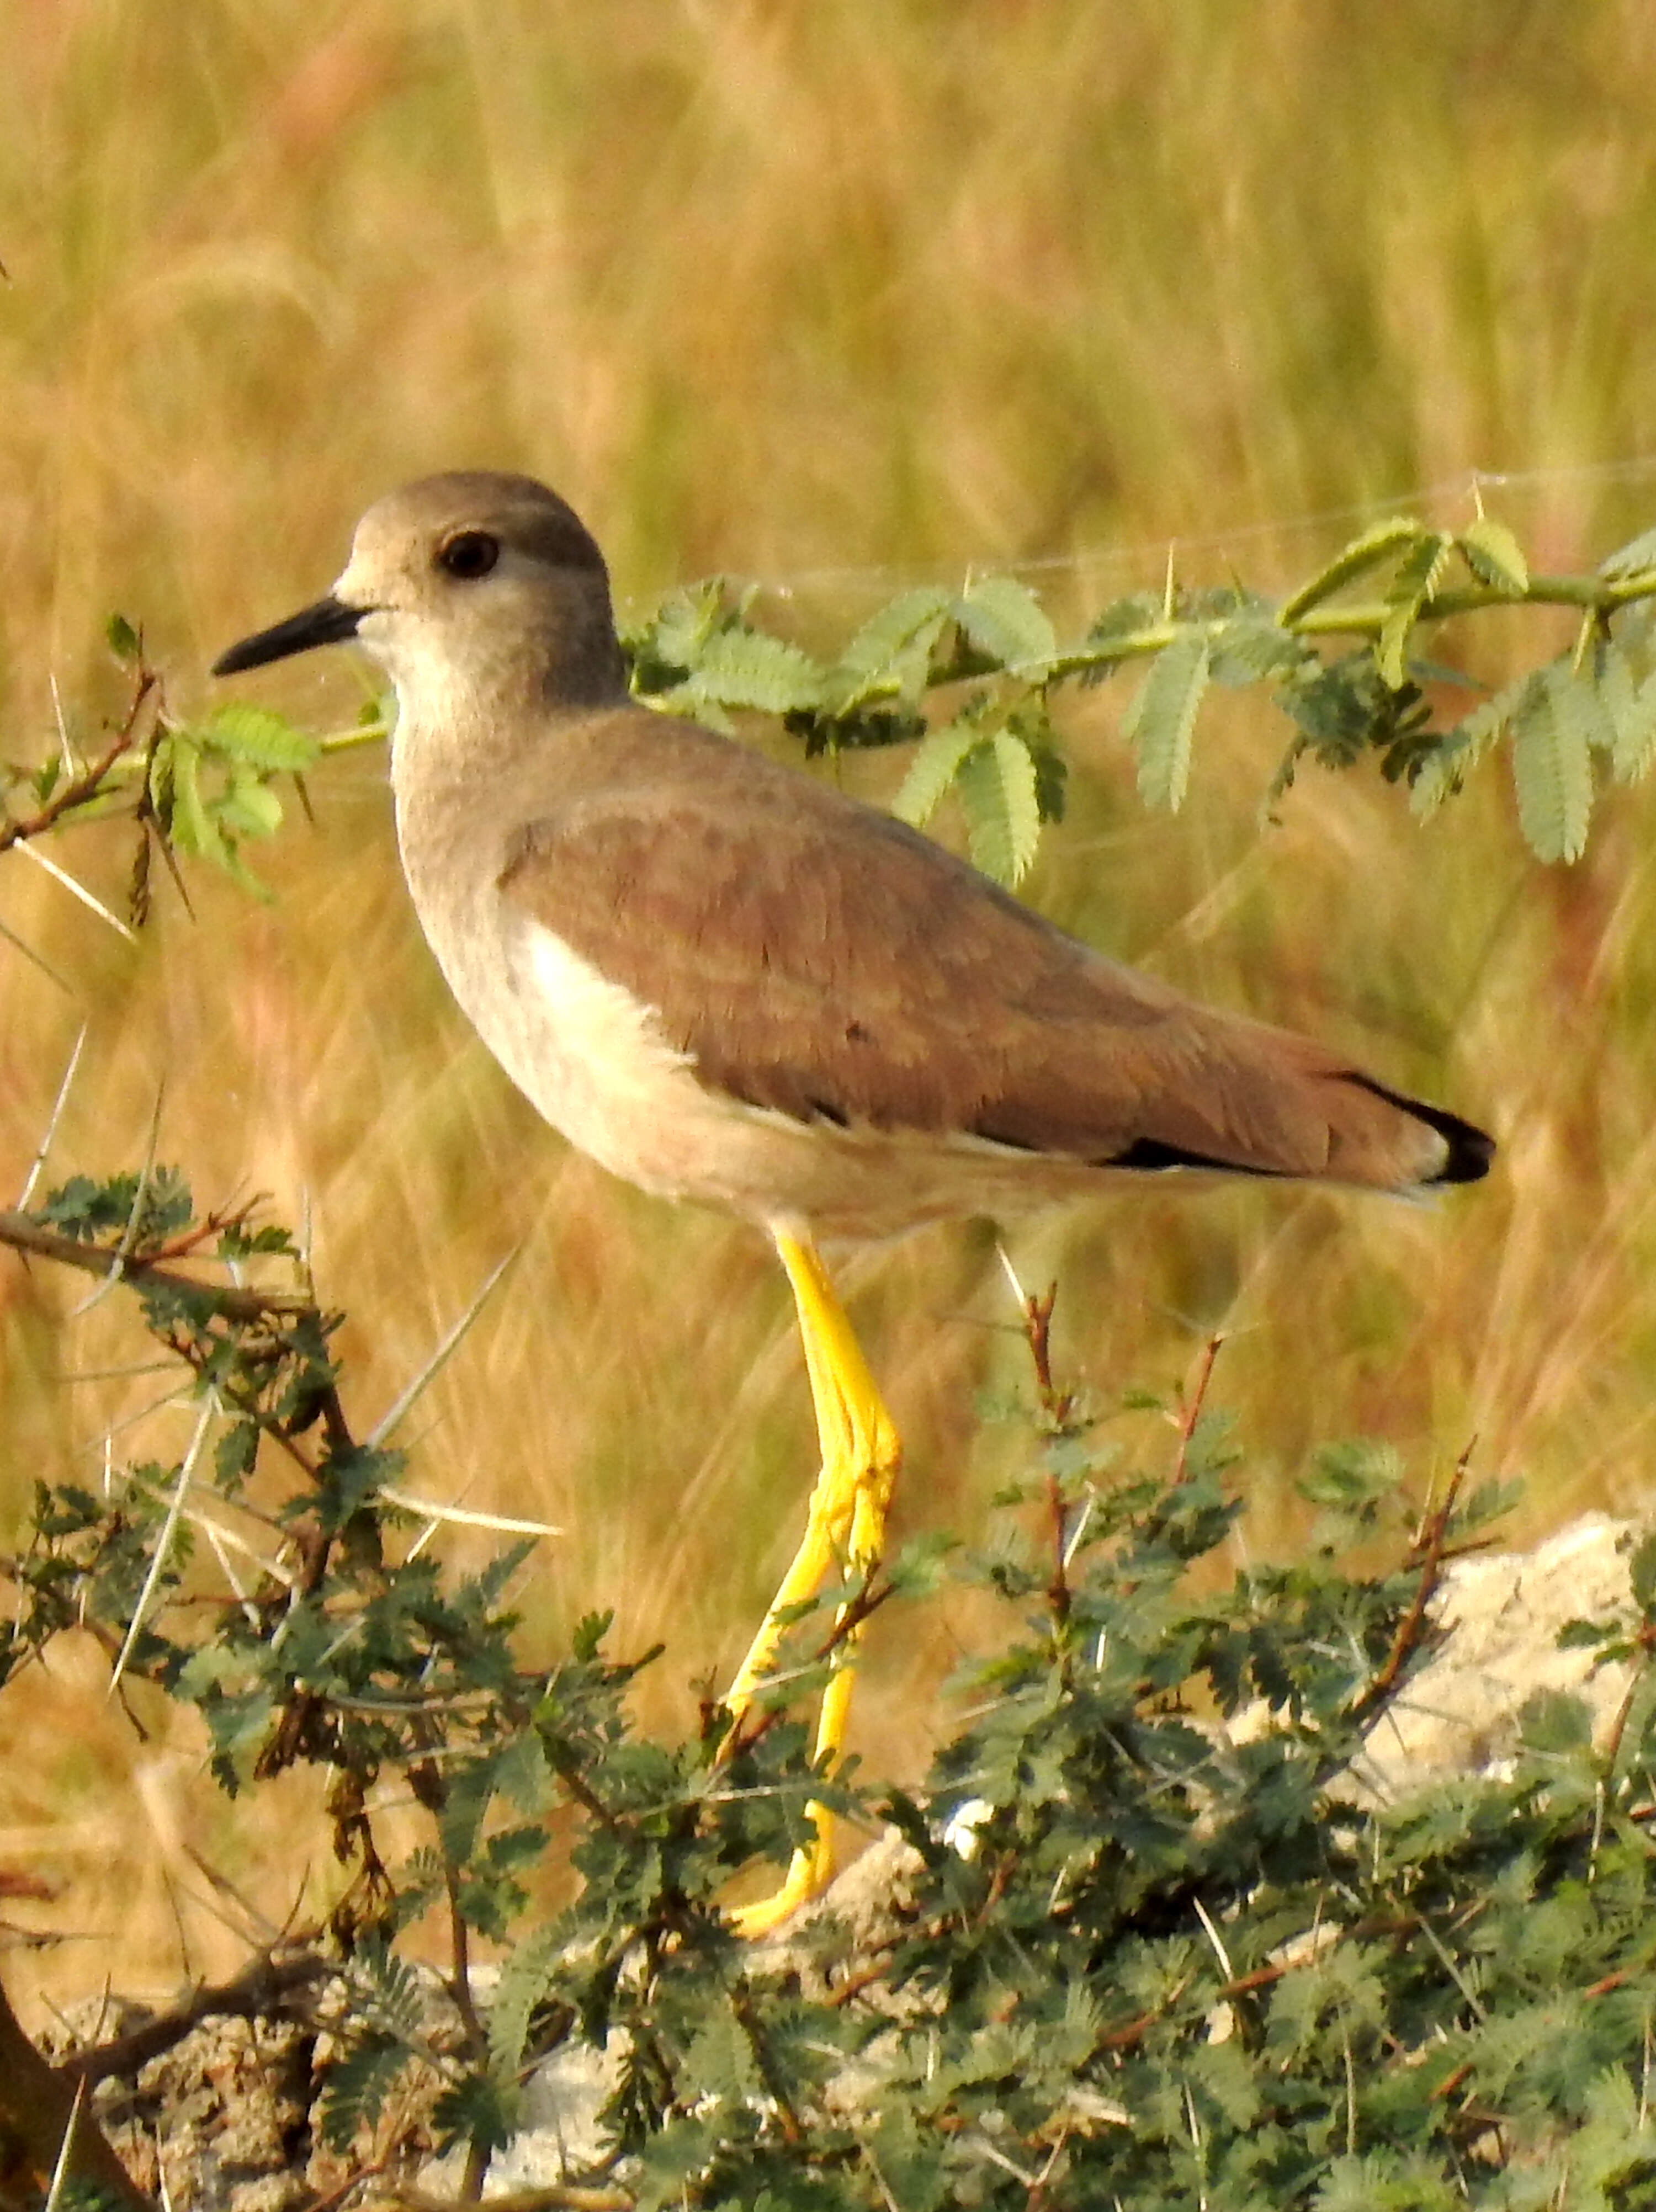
[[832, 297]]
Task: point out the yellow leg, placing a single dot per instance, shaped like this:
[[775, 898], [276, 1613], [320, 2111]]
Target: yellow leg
[[845, 1526]]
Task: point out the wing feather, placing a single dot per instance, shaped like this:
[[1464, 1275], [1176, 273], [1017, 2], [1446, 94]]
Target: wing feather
[[814, 956]]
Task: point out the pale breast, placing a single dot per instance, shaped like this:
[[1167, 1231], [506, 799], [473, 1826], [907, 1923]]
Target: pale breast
[[594, 1062]]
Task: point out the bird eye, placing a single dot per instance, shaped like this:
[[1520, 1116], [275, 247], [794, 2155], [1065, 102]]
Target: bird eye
[[469, 554]]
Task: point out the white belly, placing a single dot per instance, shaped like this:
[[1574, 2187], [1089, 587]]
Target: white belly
[[589, 1057]]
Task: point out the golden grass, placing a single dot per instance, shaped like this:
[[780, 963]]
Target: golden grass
[[876, 292]]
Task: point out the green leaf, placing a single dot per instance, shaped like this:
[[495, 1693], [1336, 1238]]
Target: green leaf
[[356, 2088], [524, 1976], [935, 765], [1365, 552], [1460, 748], [745, 668], [123, 638], [1353, 1472], [1578, 699], [1495, 556], [479, 2110], [1160, 721], [998, 791], [1630, 706], [891, 654], [1555, 1722], [1109, 643], [675, 634], [254, 734], [1411, 589], [1004, 619], [1633, 559], [1251, 647], [672, 2157], [249, 808], [720, 2062], [191, 827], [1052, 769], [1552, 773]]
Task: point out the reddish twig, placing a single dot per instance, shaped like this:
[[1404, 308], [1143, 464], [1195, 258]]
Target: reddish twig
[[1057, 1408], [1204, 1376], [87, 785], [234, 1301], [1427, 1554]]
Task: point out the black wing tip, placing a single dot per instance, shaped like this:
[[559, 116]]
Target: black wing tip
[[1471, 1150]]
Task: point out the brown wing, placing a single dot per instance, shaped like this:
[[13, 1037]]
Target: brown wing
[[816, 957]]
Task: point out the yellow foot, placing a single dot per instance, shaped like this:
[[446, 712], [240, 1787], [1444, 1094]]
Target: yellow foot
[[809, 1873], [845, 1526]]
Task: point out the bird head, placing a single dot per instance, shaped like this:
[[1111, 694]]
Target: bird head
[[474, 581]]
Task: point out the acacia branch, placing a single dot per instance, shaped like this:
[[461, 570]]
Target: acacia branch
[[1427, 1554], [89, 783], [1601, 595], [234, 1301]]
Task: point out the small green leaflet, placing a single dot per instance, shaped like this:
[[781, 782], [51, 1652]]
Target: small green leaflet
[[1418, 574], [256, 735], [1160, 721], [1495, 556], [1578, 700], [1004, 619], [1632, 559], [1630, 705], [1552, 770], [891, 654], [720, 2061], [747, 668], [998, 788], [1007, 786], [681, 625], [934, 767], [1249, 648], [356, 2087], [1463, 746], [250, 808], [478, 2111], [524, 1976], [123, 638], [1363, 554], [191, 827]]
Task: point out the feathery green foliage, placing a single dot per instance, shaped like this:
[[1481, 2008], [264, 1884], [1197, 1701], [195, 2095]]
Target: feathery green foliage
[[703, 654], [1155, 1940]]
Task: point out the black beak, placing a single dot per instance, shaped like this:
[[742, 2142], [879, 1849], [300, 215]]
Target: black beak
[[330, 621]]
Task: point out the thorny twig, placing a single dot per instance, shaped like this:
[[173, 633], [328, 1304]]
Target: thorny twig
[[87, 784], [1192, 1414], [1426, 1552], [1057, 1411], [234, 1301], [1644, 1638]]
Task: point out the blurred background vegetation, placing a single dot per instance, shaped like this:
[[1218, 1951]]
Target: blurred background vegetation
[[834, 300]]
